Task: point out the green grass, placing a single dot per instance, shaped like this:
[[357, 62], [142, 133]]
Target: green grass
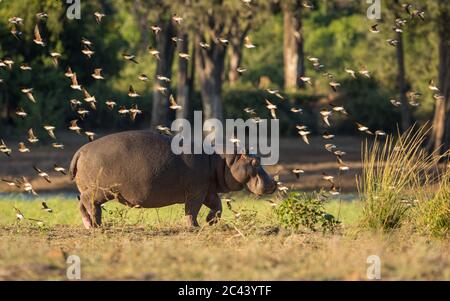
[[65, 212], [154, 244], [396, 171]]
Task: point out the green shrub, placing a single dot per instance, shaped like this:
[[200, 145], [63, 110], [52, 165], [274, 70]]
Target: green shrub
[[431, 216], [305, 210]]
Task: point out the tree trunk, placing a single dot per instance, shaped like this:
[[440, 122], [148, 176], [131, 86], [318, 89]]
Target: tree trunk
[[294, 65], [183, 91], [235, 60], [401, 84], [166, 48], [440, 137], [141, 13], [191, 81], [210, 66]]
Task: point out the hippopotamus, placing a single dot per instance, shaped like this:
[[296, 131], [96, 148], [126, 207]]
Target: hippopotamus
[[138, 169]]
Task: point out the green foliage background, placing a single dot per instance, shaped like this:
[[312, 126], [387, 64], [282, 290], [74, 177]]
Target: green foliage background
[[336, 32]]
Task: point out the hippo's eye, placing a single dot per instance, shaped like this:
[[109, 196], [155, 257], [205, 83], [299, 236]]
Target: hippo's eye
[[255, 162]]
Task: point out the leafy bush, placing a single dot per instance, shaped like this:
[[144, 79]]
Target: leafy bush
[[305, 210]]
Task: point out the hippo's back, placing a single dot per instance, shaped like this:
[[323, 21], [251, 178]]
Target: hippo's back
[[141, 166]]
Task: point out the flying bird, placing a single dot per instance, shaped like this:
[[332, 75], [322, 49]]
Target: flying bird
[[19, 214], [75, 84], [164, 130], [111, 104], [21, 113], [42, 16], [90, 99], [69, 73], [364, 72], [87, 51], [328, 136], [99, 16], [86, 42], [154, 52], [334, 85], [50, 130], [143, 77], [177, 19], [272, 108], [325, 115], [374, 28], [55, 57], [351, 72], [29, 93], [123, 111], [37, 37], [392, 42], [130, 57], [59, 169], [156, 29], [31, 137], [97, 74], [42, 174], [134, 111], [90, 135], [4, 148], [339, 109], [132, 93], [432, 86], [46, 208], [248, 43], [25, 67], [395, 102], [304, 135], [74, 126], [56, 145], [297, 172], [185, 56], [306, 79], [23, 148], [363, 128], [173, 103]]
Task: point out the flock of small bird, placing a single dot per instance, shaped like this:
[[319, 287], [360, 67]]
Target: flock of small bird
[[326, 113], [87, 49]]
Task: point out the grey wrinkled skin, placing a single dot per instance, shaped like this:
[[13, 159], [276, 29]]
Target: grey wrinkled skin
[[138, 169]]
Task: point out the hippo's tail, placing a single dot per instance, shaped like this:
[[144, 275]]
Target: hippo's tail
[[73, 165]]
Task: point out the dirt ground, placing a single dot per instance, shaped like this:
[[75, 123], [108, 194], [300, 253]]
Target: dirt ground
[[314, 159], [215, 254]]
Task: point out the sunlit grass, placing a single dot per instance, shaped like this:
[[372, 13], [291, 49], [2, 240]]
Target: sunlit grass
[[395, 172], [65, 212]]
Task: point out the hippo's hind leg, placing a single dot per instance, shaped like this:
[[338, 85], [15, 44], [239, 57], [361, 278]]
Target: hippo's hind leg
[[91, 210], [214, 203]]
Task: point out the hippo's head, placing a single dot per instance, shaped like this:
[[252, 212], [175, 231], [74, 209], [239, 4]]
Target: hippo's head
[[246, 170]]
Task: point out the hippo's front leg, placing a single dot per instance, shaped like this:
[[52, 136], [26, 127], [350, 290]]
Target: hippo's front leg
[[191, 209], [214, 203]]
